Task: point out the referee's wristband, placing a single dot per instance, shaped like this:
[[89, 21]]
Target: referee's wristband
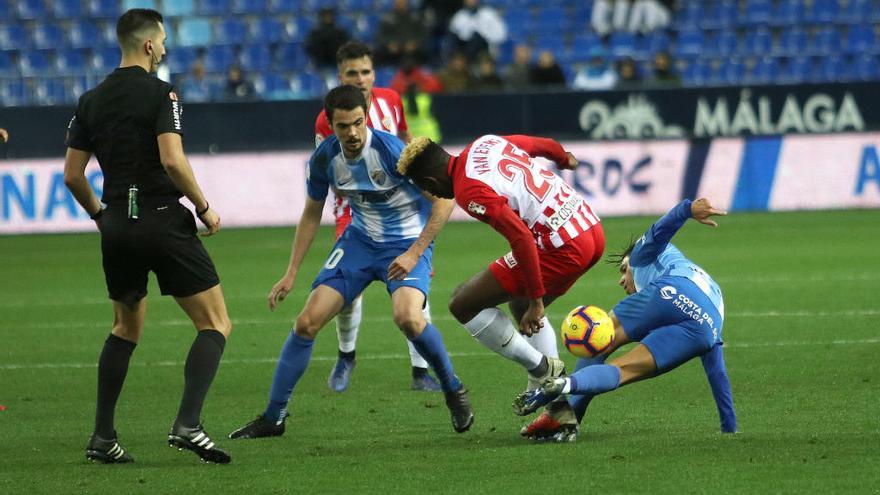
[[98, 214], [207, 207]]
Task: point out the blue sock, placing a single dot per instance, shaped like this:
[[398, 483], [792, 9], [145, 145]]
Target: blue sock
[[595, 380], [430, 346], [292, 363], [580, 402]]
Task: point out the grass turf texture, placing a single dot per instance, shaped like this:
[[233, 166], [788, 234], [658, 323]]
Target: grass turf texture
[[802, 342]]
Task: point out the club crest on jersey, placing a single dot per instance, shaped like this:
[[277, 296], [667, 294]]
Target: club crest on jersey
[[476, 208], [509, 260], [378, 177], [387, 122], [668, 292]]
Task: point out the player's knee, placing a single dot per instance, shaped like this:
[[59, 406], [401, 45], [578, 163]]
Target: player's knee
[[459, 307], [410, 323], [224, 326], [306, 326], [130, 331]]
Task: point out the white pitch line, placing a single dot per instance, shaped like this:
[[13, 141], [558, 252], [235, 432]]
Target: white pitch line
[[384, 357], [181, 322]]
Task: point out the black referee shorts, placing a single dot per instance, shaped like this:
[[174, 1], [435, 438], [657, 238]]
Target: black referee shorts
[[163, 240]]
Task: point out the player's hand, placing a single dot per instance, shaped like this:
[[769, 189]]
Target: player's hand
[[211, 220], [280, 290], [701, 210], [402, 265], [533, 319], [571, 164], [4, 136]]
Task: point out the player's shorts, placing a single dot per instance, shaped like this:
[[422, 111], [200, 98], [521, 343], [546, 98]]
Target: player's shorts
[[673, 318], [163, 240], [560, 267], [356, 261]]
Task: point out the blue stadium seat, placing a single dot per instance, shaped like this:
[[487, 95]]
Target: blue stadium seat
[[84, 33], [230, 32], [866, 68], [13, 37], [267, 30], [730, 72], [300, 28], [108, 33], [194, 32], [830, 69], [697, 73], [549, 21], [291, 57], [139, 4], [311, 6], [77, 85], [215, 7], [366, 26], [50, 91], [67, 9], [309, 84], [519, 22], [105, 60], [218, 58], [688, 18], [70, 61], [178, 8], [765, 71], [13, 92], [6, 11], [271, 86], [104, 9], [690, 43], [823, 12], [31, 9], [34, 63], [825, 41], [856, 11], [351, 6], [658, 41], [583, 43], [47, 36], [758, 12], [796, 70], [721, 14], [723, 44], [249, 7], [384, 75], [180, 59], [792, 41], [758, 42], [283, 6], [622, 45], [7, 67], [255, 58], [860, 39], [788, 13]]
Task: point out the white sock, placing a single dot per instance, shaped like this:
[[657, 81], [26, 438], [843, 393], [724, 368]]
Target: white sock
[[567, 387], [545, 343], [414, 357], [492, 328], [348, 322]]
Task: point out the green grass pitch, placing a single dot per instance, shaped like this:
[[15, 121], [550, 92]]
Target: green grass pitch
[[802, 349]]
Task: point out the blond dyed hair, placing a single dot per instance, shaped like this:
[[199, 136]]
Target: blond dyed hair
[[410, 153]]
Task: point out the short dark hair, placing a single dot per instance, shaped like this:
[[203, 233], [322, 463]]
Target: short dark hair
[[346, 97], [423, 158], [617, 258], [352, 50], [133, 22]]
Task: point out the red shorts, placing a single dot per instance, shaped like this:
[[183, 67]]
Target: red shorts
[[560, 267]]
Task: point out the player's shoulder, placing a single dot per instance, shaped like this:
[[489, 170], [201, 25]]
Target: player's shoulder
[[386, 93], [325, 151], [386, 141]]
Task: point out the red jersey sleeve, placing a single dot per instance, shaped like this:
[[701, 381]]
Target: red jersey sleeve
[[398, 103], [322, 128], [538, 146], [484, 204]]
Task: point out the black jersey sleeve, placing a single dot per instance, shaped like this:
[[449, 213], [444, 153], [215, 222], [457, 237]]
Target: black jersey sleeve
[[77, 136], [170, 116]]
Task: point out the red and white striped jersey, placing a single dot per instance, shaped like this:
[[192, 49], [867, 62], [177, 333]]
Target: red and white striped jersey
[[495, 175], [386, 113]]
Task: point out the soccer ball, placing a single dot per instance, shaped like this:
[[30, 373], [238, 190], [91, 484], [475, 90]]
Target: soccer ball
[[587, 331]]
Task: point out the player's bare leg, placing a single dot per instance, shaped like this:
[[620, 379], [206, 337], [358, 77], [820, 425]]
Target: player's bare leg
[[207, 310], [323, 304], [407, 305], [473, 304], [128, 323]]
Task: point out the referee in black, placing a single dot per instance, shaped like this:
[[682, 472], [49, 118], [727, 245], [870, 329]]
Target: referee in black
[[132, 123]]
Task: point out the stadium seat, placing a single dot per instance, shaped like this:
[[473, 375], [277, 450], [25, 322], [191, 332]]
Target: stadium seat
[[658, 41], [384, 76], [724, 44], [300, 27], [47, 36], [13, 37], [7, 67], [194, 32], [309, 85], [105, 60], [721, 14], [283, 6], [218, 58], [366, 26], [519, 22], [583, 43], [351, 6], [255, 58], [622, 44], [230, 32], [690, 43], [856, 11], [758, 12], [791, 42], [13, 92], [730, 72], [31, 9], [70, 61], [866, 68], [248, 7], [291, 57], [104, 9], [830, 69], [267, 30], [6, 11], [689, 17], [180, 59], [550, 21], [178, 8], [215, 7], [796, 70], [788, 13], [697, 73], [825, 41], [758, 42], [765, 71], [139, 4], [272, 86], [84, 33], [860, 39], [34, 63], [823, 12], [67, 9], [50, 91]]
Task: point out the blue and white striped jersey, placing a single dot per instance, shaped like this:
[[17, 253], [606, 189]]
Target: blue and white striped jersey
[[654, 256], [385, 205]]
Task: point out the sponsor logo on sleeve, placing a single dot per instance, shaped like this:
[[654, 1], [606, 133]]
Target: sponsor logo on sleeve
[[176, 110], [509, 260], [476, 208]]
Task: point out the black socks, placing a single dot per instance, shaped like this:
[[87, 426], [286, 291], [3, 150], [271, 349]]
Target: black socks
[[201, 366], [112, 368]]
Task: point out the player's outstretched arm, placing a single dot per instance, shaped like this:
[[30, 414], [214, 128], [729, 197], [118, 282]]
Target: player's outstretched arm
[[75, 162], [702, 210], [403, 264], [716, 373], [302, 241]]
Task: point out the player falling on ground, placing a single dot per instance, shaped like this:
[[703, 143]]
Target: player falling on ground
[[390, 239], [674, 310], [354, 61], [554, 236]]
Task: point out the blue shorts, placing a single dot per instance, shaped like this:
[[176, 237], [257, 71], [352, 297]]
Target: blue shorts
[[356, 260], [673, 318]]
